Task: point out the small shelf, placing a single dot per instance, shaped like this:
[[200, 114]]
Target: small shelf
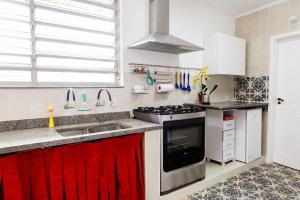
[[146, 91], [164, 81], [134, 72], [140, 93]]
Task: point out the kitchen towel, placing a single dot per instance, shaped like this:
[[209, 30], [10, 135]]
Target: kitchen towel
[[163, 88]]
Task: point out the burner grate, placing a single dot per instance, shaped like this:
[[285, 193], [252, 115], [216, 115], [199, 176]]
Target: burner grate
[[169, 110]]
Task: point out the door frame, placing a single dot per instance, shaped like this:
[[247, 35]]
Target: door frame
[[273, 91]]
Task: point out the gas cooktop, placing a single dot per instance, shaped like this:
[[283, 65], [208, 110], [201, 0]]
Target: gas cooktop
[[169, 110], [168, 113]]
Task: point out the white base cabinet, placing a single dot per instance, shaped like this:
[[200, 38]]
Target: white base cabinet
[[248, 134], [237, 139], [220, 136]]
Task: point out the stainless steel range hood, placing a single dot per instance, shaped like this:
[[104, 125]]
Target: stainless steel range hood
[[159, 39]]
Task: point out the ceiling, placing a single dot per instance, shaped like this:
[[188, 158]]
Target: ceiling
[[237, 7]]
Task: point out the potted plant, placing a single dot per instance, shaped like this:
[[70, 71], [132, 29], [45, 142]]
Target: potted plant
[[200, 81]]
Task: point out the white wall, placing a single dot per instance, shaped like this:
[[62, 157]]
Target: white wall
[[193, 21], [189, 20]]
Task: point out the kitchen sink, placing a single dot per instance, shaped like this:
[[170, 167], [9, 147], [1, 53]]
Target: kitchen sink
[[84, 130], [107, 127], [72, 131]]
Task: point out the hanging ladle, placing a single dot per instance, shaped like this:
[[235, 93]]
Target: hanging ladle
[[176, 79], [188, 83]]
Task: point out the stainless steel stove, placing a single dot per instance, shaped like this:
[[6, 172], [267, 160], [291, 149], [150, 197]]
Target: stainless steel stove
[[182, 143]]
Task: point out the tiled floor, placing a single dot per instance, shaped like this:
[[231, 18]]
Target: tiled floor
[[214, 169], [266, 182], [215, 172]]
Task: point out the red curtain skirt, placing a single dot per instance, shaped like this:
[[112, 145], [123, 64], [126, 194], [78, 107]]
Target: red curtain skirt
[[111, 169]]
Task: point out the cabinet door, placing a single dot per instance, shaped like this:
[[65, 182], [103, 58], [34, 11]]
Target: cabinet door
[[254, 129], [232, 55], [239, 56], [225, 54], [240, 135]]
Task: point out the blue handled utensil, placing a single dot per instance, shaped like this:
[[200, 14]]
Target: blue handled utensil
[[180, 85], [183, 85], [188, 86], [176, 81]]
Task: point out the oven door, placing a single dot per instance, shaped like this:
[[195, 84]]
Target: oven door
[[183, 143]]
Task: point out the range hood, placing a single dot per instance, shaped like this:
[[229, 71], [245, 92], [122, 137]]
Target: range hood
[[159, 39]]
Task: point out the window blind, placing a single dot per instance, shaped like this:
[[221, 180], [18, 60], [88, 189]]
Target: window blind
[[15, 41], [58, 42]]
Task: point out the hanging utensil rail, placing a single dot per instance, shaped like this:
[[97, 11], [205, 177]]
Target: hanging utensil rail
[[162, 66]]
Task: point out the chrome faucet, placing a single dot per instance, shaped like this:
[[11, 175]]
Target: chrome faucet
[[68, 105], [102, 103]]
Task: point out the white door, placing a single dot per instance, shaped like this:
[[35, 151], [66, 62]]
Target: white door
[[287, 137]]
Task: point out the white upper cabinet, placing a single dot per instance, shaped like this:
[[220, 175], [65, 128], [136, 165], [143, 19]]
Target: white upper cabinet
[[225, 54]]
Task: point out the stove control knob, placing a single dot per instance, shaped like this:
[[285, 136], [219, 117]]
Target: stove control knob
[[171, 117]]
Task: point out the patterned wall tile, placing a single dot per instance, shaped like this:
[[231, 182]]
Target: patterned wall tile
[[251, 88], [258, 27]]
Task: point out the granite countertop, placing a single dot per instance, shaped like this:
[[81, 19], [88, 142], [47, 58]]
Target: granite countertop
[[29, 139], [226, 105]]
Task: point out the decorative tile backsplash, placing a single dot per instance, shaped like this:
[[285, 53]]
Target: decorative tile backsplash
[[251, 88]]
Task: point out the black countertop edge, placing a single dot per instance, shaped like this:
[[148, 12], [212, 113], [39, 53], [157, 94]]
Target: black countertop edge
[[227, 105]]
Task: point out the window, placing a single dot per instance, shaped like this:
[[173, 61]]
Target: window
[[59, 43]]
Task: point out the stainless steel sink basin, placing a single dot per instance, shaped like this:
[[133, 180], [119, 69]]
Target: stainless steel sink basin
[[67, 132], [72, 132]]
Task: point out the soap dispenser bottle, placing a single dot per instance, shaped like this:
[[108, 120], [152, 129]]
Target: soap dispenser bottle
[[50, 109]]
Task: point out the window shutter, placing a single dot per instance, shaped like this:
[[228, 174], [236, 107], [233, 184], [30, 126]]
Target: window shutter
[[15, 41], [60, 41]]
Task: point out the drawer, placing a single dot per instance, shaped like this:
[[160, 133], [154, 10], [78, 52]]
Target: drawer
[[228, 145], [228, 125], [228, 155], [229, 135]]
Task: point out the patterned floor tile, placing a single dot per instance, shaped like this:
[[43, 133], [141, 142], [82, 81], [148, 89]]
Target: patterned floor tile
[[265, 182]]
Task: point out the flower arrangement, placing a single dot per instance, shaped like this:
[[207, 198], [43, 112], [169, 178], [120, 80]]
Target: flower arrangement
[[200, 81]]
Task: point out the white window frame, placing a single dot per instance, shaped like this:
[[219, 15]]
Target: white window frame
[[35, 84]]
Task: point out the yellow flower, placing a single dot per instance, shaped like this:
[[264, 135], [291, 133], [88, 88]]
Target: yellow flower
[[197, 82], [206, 77], [198, 78]]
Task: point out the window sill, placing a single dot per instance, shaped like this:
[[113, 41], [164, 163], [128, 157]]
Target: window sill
[[57, 85]]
